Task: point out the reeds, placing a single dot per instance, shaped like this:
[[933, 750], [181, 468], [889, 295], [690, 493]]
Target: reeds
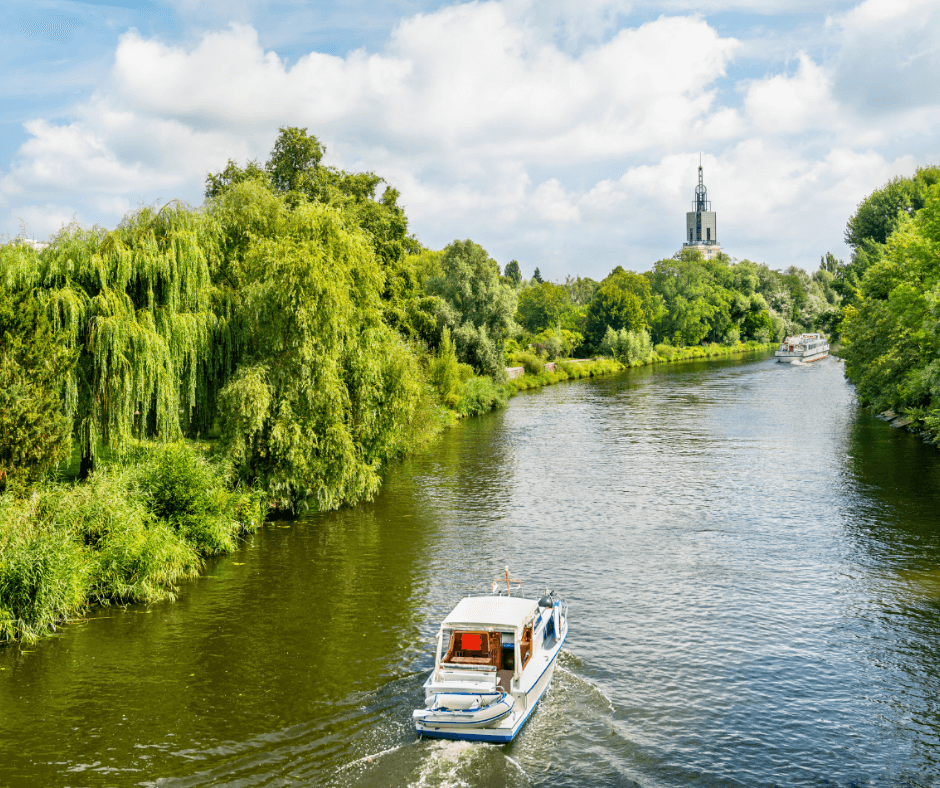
[[130, 533]]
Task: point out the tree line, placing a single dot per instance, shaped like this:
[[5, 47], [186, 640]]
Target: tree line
[[891, 327], [295, 320]]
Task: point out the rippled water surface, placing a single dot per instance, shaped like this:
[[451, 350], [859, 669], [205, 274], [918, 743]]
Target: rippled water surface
[[752, 566]]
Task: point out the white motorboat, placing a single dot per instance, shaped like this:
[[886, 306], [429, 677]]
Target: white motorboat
[[803, 348], [495, 659]]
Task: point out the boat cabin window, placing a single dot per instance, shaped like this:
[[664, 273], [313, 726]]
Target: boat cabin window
[[474, 648], [525, 646]]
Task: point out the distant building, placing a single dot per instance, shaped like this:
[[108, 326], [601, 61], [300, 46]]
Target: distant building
[[30, 242], [701, 230]]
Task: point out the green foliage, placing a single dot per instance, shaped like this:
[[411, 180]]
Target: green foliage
[[628, 347], [42, 575], [130, 533], [533, 363], [537, 276], [294, 160], [475, 305], [580, 290], [191, 495], [445, 373], [710, 300], [541, 306], [873, 222], [296, 173], [218, 182], [481, 395], [613, 307], [536, 375], [135, 305], [325, 392], [891, 334], [289, 325], [34, 432], [879, 214], [513, 273], [665, 352]]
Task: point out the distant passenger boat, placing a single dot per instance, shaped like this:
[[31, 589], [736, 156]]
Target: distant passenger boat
[[495, 658], [804, 348]]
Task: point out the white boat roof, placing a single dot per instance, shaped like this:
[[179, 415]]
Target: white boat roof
[[491, 611]]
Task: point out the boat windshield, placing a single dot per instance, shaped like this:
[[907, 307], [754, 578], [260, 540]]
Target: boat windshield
[[474, 648]]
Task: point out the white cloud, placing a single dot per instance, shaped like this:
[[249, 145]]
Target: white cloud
[[890, 55], [791, 104]]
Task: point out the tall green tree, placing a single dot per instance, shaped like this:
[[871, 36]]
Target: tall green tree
[[295, 160], [324, 393], [34, 431], [475, 305], [616, 308], [513, 273], [541, 306], [296, 171], [137, 306], [891, 332]]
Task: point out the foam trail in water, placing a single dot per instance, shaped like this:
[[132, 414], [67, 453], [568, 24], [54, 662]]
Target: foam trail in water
[[591, 684], [371, 758], [518, 765], [444, 763]]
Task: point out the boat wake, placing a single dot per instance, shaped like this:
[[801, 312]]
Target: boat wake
[[594, 688], [435, 763]]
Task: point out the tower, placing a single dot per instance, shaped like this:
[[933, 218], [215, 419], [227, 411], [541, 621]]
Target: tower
[[701, 231]]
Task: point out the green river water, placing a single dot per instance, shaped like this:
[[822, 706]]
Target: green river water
[[752, 565]]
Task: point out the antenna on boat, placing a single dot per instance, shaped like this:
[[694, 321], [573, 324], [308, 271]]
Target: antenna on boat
[[511, 584]]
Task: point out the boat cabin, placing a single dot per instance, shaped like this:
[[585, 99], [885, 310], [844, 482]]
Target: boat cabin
[[493, 634]]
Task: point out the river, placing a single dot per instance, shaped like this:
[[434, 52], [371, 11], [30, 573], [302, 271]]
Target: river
[[752, 565]]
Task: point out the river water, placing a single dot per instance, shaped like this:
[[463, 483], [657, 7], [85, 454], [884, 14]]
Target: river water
[[753, 571]]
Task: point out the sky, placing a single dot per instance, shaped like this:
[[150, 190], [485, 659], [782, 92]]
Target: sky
[[565, 134]]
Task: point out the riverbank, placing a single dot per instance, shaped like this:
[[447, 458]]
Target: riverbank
[[130, 533], [574, 369]]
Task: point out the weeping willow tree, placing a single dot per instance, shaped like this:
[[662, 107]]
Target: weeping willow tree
[[263, 318], [137, 306], [324, 392]]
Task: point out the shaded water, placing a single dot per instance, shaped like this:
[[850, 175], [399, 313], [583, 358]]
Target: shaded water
[[752, 566]]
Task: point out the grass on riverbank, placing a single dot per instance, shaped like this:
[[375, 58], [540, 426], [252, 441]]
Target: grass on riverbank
[[537, 376], [130, 533]]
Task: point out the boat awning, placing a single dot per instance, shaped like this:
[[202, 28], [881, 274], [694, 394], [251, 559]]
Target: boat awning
[[491, 611]]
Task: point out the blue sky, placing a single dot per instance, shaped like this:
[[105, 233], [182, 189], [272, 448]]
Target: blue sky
[[563, 134]]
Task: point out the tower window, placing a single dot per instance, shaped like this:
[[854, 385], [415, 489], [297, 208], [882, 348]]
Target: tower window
[[690, 235], [708, 233]]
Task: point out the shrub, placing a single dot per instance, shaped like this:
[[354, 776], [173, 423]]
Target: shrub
[[534, 365], [628, 347], [480, 395], [444, 372], [549, 343], [184, 490], [44, 574], [126, 534], [667, 352]]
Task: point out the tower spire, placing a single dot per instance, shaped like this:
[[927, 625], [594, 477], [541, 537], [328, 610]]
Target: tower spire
[[701, 229]]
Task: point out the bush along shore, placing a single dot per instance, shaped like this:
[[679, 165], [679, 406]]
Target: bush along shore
[[130, 533], [275, 349]]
